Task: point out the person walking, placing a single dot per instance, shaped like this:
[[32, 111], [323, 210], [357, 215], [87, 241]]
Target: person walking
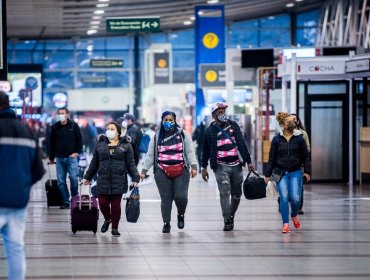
[[227, 152], [288, 154], [135, 134], [171, 153], [65, 145], [20, 167], [198, 136], [300, 127], [112, 160]]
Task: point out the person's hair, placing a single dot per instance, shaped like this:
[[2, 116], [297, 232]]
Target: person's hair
[[161, 129], [129, 116], [64, 108], [281, 116], [299, 124], [4, 100], [118, 127]]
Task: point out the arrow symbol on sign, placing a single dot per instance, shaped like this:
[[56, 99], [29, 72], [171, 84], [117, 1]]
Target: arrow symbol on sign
[[155, 24]]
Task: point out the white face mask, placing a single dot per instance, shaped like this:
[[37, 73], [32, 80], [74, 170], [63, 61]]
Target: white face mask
[[110, 134], [62, 118], [124, 124]]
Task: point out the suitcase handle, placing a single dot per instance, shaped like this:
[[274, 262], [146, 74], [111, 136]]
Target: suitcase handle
[[49, 175], [80, 198]]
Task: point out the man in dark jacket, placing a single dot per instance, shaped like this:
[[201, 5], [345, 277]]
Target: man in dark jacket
[[227, 152], [20, 167], [65, 145], [135, 134], [198, 136]]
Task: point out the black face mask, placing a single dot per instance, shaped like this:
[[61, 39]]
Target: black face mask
[[290, 127]]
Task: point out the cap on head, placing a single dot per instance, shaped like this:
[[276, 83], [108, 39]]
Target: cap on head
[[128, 116], [218, 106]]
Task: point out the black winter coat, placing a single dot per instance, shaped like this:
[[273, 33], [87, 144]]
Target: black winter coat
[[288, 155], [112, 172]]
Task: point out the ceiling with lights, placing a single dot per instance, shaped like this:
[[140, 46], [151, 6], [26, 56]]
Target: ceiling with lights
[[41, 19]]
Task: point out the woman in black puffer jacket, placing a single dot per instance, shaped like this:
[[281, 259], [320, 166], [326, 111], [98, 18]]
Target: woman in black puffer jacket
[[113, 160]]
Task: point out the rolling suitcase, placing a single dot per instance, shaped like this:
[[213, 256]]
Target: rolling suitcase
[[84, 212], [53, 195]]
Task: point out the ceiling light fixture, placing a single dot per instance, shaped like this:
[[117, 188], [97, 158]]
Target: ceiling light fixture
[[200, 13], [102, 5], [289, 5], [96, 17], [92, 31], [90, 48], [212, 1], [95, 22], [103, 0], [192, 18], [299, 0], [99, 12], [187, 22]]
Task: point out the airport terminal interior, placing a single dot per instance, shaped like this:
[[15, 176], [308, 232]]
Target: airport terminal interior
[[102, 59]]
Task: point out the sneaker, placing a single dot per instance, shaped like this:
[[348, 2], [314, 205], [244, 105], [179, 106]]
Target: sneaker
[[296, 222], [115, 232], [232, 222], [166, 228], [300, 212], [286, 228], [105, 226], [180, 221], [227, 225], [64, 206]]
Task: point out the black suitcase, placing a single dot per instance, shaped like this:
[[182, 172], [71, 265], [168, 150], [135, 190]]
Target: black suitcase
[[53, 195]]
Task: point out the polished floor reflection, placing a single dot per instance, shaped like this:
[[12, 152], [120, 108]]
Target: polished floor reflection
[[334, 242]]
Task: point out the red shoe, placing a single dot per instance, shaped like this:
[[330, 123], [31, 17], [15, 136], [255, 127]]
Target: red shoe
[[296, 222], [286, 228]]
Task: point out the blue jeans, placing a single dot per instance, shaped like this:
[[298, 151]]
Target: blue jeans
[[12, 227], [67, 165], [290, 188]]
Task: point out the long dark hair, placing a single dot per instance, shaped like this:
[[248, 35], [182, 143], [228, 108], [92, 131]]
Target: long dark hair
[[299, 123], [161, 130]]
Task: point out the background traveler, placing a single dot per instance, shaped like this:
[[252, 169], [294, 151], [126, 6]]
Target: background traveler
[[171, 153], [135, 134], [20, 167], [65, 145], [300, 126], [198, 136], [288, 153], [113, 159], [225, 148]]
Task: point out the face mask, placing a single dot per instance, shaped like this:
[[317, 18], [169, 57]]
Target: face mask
[[168, 125], [222, 118], [62, 118], [124, 124], [290, 126], [110, 134]]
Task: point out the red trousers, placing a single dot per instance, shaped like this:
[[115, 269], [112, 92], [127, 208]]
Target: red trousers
[[110, 206]]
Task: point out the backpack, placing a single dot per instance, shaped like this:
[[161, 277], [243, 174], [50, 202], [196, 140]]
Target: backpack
[[144, 143]]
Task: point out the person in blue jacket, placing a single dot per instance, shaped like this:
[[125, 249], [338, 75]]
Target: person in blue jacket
[[20, 167]]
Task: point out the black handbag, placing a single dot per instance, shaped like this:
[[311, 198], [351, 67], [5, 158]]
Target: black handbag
[[133, 206], [254, 187]]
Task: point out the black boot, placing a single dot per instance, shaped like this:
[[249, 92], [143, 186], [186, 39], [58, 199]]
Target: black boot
[[105, 226], [227, 225], [180, 221], [115, 232], [166, 228]]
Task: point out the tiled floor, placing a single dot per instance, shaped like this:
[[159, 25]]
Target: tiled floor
[[334, 242]]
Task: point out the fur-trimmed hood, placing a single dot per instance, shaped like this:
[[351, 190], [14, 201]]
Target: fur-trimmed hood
[[104, 138]]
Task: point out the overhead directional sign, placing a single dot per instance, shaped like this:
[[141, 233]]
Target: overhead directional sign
[[132, 24], [106, 63]]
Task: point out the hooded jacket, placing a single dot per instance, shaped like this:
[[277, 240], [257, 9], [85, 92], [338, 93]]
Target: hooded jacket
[[112, 171], [21, 164]]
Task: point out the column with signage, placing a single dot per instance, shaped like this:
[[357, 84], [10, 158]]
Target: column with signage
[[209, 47]]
